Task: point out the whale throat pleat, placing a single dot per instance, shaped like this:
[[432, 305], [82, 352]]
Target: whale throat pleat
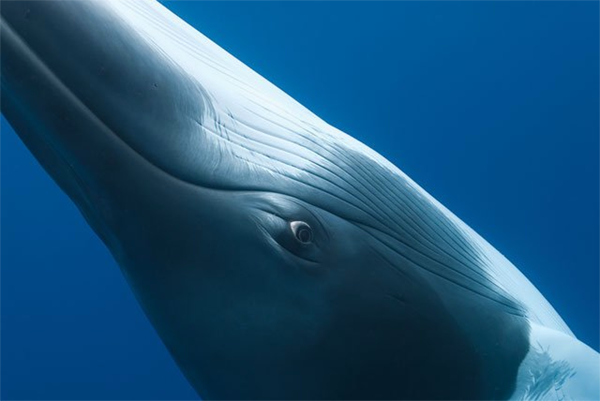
[[258, 134]]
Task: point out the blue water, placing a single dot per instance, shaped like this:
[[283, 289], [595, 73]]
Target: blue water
[[491, 107]]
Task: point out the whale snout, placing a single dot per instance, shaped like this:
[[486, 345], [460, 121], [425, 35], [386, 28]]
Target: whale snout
[[86, 91]]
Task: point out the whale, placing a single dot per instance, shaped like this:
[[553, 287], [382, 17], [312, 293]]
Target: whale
[[275, 256]]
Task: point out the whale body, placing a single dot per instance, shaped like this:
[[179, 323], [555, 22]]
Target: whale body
[[276, 256]]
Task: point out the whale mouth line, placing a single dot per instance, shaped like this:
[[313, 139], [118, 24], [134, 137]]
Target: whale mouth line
[[64, 92]]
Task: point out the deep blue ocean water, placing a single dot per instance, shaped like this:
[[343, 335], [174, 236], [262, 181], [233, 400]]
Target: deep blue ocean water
[[491, 107]]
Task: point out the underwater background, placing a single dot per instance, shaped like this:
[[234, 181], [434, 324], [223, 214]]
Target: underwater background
[[492, 107]]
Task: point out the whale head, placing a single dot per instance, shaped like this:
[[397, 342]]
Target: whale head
[[276, 256]]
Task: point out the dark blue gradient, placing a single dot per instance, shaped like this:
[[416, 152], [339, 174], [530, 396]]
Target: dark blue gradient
[[492, 107]]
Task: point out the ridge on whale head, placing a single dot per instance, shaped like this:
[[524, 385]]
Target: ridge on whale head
[[276, 256]]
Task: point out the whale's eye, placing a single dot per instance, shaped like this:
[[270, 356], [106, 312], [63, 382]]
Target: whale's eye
[[302, 231]]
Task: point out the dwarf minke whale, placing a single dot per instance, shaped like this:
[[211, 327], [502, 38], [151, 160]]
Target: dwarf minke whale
[[276, 256]]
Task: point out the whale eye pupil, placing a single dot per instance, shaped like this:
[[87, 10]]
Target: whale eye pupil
[[302, 231]]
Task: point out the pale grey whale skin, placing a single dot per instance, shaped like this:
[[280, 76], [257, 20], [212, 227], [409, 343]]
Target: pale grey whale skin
[[194, 171]]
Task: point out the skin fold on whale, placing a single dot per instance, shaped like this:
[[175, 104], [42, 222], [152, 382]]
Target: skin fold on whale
[[277, 257]]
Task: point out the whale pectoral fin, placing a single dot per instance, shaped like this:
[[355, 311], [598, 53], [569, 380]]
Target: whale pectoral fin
[[558, 367]]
